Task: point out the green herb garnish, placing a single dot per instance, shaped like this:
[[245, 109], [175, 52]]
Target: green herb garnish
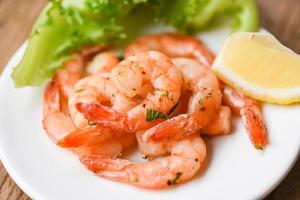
[[174, 181], [152, 115]]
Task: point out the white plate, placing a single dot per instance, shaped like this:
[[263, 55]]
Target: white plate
[[233, 169]]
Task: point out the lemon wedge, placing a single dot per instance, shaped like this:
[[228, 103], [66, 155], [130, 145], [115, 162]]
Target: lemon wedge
[[259, 66]]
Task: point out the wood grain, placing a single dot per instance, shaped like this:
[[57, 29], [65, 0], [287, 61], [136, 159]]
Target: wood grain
[[282, 18]]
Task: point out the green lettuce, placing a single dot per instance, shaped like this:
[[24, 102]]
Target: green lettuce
[[64, 26]]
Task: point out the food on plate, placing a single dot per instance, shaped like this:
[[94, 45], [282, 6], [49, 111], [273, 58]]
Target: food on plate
[[111, 89], [270, 74], [160, 95]]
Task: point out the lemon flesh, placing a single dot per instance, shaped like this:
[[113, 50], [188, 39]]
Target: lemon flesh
[[260, 66]]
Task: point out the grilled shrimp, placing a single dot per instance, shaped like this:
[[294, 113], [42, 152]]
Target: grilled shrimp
[[152, 80], [204, 102], [173, 46], [185, 159]]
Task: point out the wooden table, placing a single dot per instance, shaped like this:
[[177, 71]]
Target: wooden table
[[282, 18]]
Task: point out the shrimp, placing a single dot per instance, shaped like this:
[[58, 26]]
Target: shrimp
[[172, 45], [132, 77], [251, 116], [203, 104], [185, 159]]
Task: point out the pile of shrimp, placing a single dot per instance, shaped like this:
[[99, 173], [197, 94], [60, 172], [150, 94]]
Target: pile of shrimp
[[162, 96]]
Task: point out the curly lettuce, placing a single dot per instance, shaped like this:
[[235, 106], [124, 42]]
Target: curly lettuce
[[64, 26]]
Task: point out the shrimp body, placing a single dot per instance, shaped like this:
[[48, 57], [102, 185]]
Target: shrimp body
[[203, 104], [132, 78], [186, 158], [172, 45]]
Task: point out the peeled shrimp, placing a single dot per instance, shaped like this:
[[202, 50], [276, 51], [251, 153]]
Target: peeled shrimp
[[203, 104], [187, 156], [173, 46], [132, 77], [251, 116]]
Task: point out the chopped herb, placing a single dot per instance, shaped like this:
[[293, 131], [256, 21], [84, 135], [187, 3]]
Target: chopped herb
[[91, 123], [174, 181], [173, 109], [165, 94], [134, 179], [152, 115]]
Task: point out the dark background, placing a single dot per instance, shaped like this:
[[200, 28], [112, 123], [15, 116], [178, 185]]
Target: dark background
[[280, 17]]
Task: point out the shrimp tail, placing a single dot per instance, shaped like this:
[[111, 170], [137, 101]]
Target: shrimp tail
[[172, 129], [100, 163], [103, 116], [253, 121], [79, 137]]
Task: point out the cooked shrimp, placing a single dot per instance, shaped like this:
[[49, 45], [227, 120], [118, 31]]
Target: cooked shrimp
[[184, 162], [204, 102], [102, 62], [131, 77], [251, 116], [172, 45]]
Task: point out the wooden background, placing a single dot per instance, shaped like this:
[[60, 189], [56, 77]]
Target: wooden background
[[280, 17]]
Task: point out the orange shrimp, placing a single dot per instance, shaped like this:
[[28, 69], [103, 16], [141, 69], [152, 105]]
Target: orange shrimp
[[131, 76], [187, 156], [172, 45], [205, 101]]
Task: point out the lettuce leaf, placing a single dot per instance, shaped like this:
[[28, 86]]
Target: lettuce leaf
[[66, 25]]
